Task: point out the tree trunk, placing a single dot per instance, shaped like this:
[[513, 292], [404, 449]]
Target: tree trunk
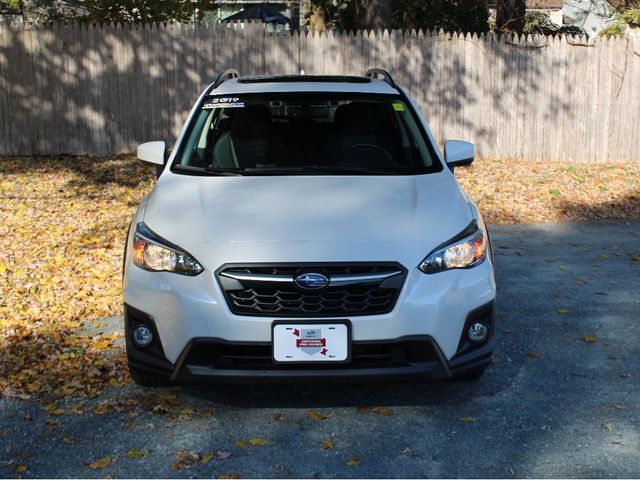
[[373, 14], [510, 15]]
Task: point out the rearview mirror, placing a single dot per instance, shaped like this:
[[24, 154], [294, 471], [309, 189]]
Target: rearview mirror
[[458, 153], [153, 153]]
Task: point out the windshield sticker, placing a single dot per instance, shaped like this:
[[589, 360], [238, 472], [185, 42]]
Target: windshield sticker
[[225, 102], [398, 107]]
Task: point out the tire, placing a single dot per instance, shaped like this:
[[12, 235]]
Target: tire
[[471, 375], [148, 379]]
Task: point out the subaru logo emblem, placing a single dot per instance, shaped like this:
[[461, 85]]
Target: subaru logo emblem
[[311, 281]]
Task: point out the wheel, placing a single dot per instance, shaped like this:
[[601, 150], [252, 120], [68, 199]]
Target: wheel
[[148, 379], [471, 375]]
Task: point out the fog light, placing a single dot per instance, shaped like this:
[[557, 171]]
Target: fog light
[[142, 336], [478, 332]]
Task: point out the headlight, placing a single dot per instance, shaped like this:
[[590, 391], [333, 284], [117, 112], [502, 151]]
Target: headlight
[[153, 253], [464, 251]]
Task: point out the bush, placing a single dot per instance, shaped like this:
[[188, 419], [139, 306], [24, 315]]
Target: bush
[[632, 17]]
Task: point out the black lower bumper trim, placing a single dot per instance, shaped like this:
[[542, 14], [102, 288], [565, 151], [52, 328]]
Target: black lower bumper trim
[[425, 371], [434, 367]]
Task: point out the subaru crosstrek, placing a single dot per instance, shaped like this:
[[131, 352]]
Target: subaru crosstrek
[[307, 228]]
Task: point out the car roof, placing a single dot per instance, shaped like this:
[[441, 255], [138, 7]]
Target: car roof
[[304, 83]]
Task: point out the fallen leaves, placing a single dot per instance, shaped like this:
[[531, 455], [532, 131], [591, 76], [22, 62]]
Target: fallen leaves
[[185, 459], [384, 412], [562, 311], [608, 427], [515, 191], [53, 409], [315, 415], [135, 453], [468, 419], [327, 444], [61, 239], [100, 463], [353, 462], [253, 441], [258, 442], [587, 338]]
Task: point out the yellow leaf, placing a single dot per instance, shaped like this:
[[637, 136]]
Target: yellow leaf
[[636, 257], [100, 463], [185, 459], [363, 409], [102, 344], [468, 419], [135, 453], [50, 407], [608, 427], [186, 411], [20, 468], [258, 442], [562, 310], [353, 462], [114, 382], [52, 422], [241, 444], [77, 410], [589, 338], [327, 444], [385, 412], [102, 409], [206, 457], [315, 415], [68, 440]]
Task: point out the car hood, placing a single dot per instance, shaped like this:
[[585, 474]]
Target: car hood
[[315, 210]]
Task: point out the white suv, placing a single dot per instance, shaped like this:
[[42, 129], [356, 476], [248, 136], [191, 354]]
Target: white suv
[[307, 228]]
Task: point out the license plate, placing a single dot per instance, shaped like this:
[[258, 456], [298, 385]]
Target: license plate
[[300, 342]]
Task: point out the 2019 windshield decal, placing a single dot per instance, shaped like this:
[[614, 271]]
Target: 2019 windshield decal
[[224, 102]]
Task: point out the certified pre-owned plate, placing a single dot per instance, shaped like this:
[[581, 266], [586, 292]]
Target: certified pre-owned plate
[[302, 342]]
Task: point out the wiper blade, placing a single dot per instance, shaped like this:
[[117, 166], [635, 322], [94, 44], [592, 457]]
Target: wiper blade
[[209, 170]]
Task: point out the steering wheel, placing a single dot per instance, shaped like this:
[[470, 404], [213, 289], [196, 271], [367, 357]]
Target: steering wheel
[[368, 146]]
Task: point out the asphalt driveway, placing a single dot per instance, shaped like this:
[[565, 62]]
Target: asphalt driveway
[[561, 400]]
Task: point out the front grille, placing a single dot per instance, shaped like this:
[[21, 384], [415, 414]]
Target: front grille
[[352, 300], [269, 290], [258, 356]]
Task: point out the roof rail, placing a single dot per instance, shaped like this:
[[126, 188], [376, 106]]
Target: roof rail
[[224, 76], [379, 72]]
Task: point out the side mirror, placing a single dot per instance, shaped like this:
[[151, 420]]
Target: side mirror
[[458, 153], [153, 153]]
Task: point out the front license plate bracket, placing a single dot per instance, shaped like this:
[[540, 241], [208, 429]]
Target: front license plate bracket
[[311, 342]]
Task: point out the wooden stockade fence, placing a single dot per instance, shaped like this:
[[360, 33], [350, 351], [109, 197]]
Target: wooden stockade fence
[[104, 89]]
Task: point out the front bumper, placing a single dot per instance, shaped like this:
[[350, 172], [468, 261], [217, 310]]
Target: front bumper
[[415, 357]]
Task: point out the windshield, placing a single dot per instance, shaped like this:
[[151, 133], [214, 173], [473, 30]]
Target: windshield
[[306, 133]]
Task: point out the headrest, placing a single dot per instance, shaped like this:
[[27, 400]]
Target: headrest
[[252, 121]]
